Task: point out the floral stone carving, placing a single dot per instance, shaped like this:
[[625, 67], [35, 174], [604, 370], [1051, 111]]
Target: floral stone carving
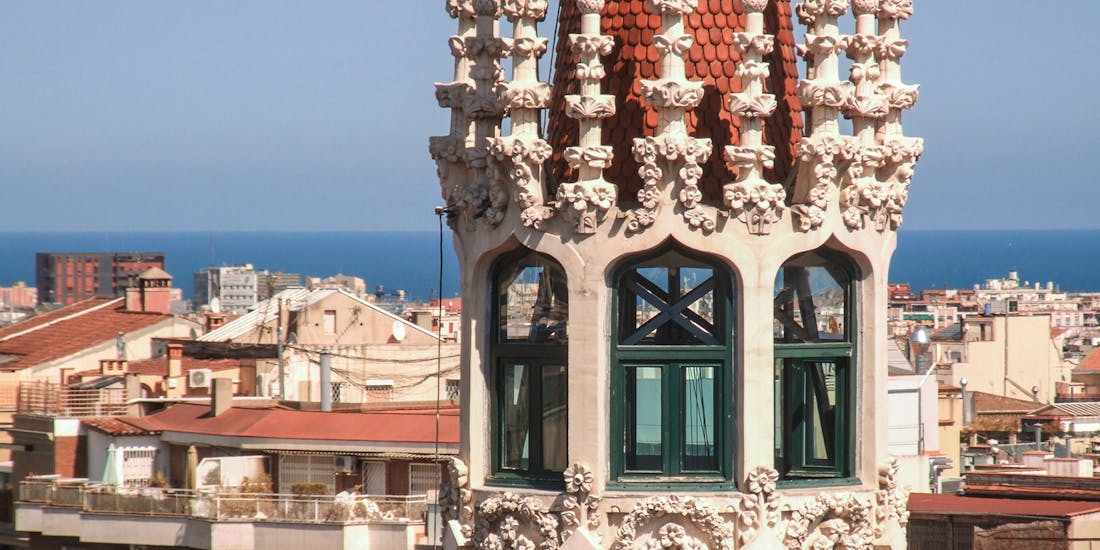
[[832, 520], [655, 154], [891, 498], [579, 506], [667, 519], [511, 522], [455, 498], [759, 508]]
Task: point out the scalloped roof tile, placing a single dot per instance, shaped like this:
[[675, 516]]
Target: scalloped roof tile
[[712, 59]]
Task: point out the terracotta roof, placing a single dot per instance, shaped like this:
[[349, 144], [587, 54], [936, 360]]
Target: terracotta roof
[[69, 330], [159, 366], [988, 403], [713, 59], [1057, 331], [1078, 408], [275, 422], [926, 503], [116, 426], [1091, 363]]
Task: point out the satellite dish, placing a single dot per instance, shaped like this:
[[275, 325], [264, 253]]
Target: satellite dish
[[398, 331], [215, 305]]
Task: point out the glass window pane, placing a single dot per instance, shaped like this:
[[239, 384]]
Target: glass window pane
[[810, 300], [643, 419], [700, 422], [821, 411], [515, 422], [670, 300], [534, 302], [554, 419]]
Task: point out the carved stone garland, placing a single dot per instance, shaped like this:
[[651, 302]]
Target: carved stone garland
[[455, 499], [752, 199], [579, 506], [891, 499], [591, 196], [759, 508], [646, 515], [512, 522], [832, 520], [519, 157], [825, 149], [449, 151], [672, 149]]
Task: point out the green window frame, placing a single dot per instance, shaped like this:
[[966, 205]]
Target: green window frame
[[529, 370], [815, 368], [672, 372]]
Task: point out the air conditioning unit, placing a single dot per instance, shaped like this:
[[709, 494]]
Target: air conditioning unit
[[199, 378], [345, 464]]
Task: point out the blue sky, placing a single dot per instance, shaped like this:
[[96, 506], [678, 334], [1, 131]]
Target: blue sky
[[278, 114]]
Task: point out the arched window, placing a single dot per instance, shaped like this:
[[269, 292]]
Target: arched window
[[814, 367], [529, 367], [672, 370]]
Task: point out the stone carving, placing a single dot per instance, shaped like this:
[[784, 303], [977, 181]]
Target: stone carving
[[682, 7], [591, 44], [825, 155], [597, 156], [759, 508], [577, 106], [755, 5], [520, 162], [591, 72], [896, 9], [525, 9], [677, 511], [655, 154], [511, 522], [891, 499], [861, 7], [678, 45], [517, 95], [452, 95], [455, 498], [763, 44], [747, 105], [590, 6], [881, 201], [672, 94], [810, 10], [754, 200], [821, 44], [487, 8], [528, 45], [832, 520], [833, 94], [460, 8], [900, 96], [893, 49], [584, 202], [579, 507]]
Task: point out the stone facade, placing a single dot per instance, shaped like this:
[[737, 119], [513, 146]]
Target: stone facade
[[841, 195]]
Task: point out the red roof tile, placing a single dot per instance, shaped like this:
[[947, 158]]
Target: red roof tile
[[712, 60], [1091, 363], [272, 422], [925, 503], [116, 426], [69, 330]]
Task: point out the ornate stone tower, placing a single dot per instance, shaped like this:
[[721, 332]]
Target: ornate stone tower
[[674, 266]]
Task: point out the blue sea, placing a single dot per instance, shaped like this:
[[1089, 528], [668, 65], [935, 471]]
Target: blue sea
[[410, 260]]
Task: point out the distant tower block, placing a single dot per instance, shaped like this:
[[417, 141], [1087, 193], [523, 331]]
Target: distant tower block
[[674, 288]]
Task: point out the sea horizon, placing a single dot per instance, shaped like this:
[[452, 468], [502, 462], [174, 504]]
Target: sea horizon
[[409, 259]]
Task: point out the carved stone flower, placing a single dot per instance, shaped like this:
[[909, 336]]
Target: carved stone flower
[[578, 479], [763, 480], [672, 535]]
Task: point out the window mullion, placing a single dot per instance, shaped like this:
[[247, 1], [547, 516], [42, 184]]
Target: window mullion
[[534, 417], [675, 423]]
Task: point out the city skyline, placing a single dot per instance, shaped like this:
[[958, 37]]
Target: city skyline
[[274, 116]]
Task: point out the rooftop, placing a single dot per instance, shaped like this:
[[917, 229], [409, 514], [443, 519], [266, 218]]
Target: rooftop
[[68, 330], [925, 503]]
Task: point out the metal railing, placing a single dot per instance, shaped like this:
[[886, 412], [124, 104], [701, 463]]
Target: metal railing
[[38, 397], [224, 506]]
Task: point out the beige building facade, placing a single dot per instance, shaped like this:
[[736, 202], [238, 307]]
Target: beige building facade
[[674, 308]]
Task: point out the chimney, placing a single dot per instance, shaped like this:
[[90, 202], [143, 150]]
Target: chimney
[[110, 367], [326, 383], [133, 391], [150, 292], [221, 398], [175, 360], [423, 319], [214, 321]]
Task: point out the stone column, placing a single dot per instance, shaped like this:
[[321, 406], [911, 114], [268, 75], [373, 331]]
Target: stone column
[[672, 156], [518, 159], [591, 196], [751, 198], [901, 152], [824, 152], [449, 151]]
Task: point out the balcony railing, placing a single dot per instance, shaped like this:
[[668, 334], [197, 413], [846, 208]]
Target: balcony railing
[[224, 506], [36, 397]]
